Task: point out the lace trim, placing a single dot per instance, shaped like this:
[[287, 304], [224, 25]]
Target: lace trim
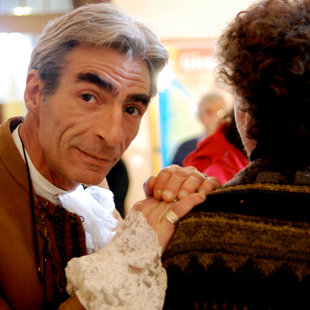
[[126, 274], [96, 206]]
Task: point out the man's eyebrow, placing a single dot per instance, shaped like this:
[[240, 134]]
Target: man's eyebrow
[[144, 99], [97, 80], [106, 85]]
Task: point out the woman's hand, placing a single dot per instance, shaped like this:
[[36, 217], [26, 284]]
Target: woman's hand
[[175, 182]]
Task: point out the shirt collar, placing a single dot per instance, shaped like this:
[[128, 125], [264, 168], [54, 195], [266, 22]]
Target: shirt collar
[[41, 185]]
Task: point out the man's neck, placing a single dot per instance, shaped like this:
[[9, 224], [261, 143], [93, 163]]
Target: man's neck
[[42, 186]]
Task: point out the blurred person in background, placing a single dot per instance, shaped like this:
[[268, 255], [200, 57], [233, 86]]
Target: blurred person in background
[[220, 154], [211, 109]]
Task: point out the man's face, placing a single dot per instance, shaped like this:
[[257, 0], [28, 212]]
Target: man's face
[[93, 116]]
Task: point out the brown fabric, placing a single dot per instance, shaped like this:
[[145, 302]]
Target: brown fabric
[[237, 237], [246, 247], [60, 232], [4, 305]]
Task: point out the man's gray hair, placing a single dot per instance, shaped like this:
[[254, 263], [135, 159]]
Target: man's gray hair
[[99, 25]]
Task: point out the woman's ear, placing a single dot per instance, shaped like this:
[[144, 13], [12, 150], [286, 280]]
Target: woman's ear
[[33, 90]]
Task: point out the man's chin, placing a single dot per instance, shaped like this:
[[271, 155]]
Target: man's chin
[[92, 179]]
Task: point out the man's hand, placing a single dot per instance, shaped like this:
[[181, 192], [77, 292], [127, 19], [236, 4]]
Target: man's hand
[[156, 212], [171, 195]]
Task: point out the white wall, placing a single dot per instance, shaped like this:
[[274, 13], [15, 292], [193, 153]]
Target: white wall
[[183, 18]]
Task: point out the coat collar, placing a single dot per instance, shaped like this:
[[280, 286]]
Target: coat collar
[[9, 154]]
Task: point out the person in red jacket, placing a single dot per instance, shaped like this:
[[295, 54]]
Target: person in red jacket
[[220, 154]]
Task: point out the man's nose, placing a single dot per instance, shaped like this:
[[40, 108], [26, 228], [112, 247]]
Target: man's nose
[[110, 129]]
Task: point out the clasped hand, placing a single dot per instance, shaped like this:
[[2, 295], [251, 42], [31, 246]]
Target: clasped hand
[[177, 189]]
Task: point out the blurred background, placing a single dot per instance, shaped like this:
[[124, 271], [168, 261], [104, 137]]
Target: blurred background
[[188, 29]]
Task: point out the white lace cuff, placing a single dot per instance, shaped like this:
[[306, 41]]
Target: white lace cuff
[[126, 274]]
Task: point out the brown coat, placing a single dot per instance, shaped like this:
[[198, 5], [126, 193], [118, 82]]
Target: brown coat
[[61, 232]]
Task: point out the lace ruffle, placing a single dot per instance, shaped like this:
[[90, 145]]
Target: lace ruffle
[[126, 274], [96, 206]]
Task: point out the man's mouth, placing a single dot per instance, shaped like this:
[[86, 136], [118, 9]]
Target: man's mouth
[[95, 157]]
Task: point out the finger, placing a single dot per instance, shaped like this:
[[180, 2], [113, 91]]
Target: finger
[[185, 205], [169, 182], [137, 206], [163, 185], [156, 216], [209, 184], [192, 184], [145, 206], [148, 186]]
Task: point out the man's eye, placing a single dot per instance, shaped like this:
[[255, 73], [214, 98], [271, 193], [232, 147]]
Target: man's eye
[[88, 98], [133, 111]]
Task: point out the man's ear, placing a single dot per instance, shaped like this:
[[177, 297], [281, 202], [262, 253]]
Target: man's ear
[[33, 90]]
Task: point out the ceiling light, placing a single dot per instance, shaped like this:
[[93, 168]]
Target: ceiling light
[[22, 10]]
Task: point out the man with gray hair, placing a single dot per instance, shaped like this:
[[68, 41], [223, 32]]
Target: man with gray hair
[[90, 79]]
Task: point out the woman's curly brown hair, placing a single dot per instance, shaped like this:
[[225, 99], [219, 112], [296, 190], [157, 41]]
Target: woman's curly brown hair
[[264, 57]]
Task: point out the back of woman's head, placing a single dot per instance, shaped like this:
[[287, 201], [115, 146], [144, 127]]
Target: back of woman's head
[[264, 58]]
